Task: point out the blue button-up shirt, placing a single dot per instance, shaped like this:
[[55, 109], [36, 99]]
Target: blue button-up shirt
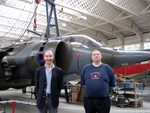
[[48, 79]]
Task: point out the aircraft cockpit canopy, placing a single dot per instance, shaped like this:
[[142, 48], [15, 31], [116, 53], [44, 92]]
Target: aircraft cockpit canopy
[[85, 41]]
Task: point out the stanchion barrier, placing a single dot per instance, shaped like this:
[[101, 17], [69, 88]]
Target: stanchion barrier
[[13, 106], [13, 102]]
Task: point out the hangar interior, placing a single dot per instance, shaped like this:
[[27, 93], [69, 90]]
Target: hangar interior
[[120, 24], [117, 23]]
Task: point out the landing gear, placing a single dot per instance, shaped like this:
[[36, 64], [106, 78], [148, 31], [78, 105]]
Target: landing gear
[[24, 90]]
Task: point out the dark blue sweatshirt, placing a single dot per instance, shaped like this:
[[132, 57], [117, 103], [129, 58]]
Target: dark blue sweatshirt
[[97, 80]]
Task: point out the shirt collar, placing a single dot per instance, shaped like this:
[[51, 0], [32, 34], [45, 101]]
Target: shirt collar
[[49, 68]]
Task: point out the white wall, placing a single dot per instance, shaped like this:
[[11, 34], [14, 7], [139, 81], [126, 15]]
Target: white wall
[[128, 40]]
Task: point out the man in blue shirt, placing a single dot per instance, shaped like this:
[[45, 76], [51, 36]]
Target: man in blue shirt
[[97, 78], [48, 84]]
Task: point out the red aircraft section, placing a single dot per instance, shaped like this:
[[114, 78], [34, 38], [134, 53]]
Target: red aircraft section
[[133, 69]]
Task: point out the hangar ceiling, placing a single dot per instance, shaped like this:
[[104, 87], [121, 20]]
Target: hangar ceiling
[[103, 19]]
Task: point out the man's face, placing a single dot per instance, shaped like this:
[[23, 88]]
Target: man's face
[[48, 57], [96, 56]]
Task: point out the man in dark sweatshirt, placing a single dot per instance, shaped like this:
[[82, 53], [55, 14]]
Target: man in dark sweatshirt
[[97, 78]]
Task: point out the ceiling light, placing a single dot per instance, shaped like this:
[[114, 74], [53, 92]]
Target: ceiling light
[[27, 1], [63, 24], [68, 11], [147, 40], [83, 17], [21, 40]]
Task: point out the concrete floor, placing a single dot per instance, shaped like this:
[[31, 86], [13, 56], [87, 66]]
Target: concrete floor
[[64, 107]]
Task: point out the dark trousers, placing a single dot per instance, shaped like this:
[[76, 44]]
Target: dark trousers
[[97, 105], [48, 107]]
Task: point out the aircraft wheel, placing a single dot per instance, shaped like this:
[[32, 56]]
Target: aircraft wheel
[[24, 90]]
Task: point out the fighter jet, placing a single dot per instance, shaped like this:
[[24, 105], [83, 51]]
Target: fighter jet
[[72, 52]]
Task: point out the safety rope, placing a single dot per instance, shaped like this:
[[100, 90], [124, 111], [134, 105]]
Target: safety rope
[[18, 101]]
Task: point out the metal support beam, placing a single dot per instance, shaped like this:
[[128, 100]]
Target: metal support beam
[[49, 17], [118, 35], [106, 16], [134, 11], [34, 32]]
